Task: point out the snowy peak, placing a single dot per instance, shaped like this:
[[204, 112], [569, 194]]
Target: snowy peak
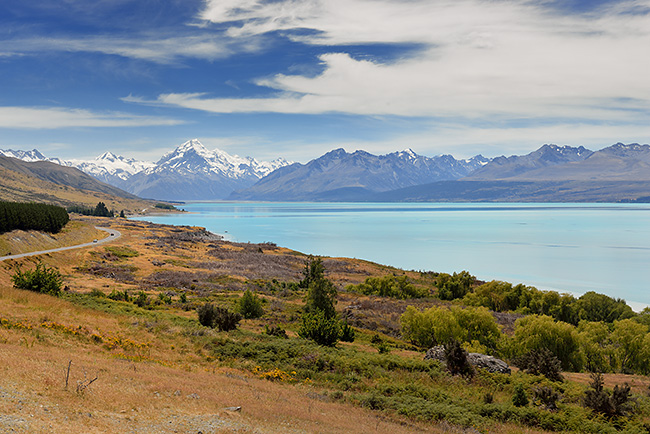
[[193, 157], [29, 156]]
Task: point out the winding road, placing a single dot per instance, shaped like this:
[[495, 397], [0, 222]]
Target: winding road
[[112, 235]]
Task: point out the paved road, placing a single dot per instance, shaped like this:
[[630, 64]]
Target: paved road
[[113, 235]]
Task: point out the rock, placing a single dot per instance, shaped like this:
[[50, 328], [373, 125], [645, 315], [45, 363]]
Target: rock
[[483, 361], [233, 408]]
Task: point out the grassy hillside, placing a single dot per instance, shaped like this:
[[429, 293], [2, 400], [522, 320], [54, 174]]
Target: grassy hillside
[[90, 362], [50, 183]]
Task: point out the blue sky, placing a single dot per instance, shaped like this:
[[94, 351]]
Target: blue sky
[[298, 78]]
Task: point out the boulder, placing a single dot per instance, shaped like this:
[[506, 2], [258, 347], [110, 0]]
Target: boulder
[[483, 361]]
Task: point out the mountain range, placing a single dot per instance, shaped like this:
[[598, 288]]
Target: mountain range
[[339, 175], [189, 172], [549, 174]]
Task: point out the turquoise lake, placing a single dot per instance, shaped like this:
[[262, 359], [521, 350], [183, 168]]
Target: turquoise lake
[[571, 248]]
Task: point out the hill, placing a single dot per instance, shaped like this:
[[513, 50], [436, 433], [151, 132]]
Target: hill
[[47, 182]]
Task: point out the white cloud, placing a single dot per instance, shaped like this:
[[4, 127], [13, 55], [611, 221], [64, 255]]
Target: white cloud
[[481, 59], [54, 118]]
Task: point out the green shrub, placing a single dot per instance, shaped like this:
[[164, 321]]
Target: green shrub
[[43, 279], [546, 397], [540, 361], [389, 286], [519, 398], [320, 328], [97, 293], [321, 292], [122, 251], [119, 295], [250, 305], [347, 332], [218, 317], [142, 299], [451, 287], [276, 331], [618, 402]]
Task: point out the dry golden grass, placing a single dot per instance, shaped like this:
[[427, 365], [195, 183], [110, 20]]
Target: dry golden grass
[[75, 232]]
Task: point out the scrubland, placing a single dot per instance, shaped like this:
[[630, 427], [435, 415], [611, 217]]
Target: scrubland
[[95, 359]]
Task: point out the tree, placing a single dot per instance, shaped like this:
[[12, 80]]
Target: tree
[[122, 214], [599, 307], [618, 402], [519, 398], [320, 328], [535, 332], [102, 211], [250, 305], [541, 362], [321, 293], [628, 341], [451, 287]]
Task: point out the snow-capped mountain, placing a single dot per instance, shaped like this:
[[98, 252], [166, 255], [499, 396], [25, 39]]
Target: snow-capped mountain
[[110, 168], [188, 172], [192, 172], [29, 156]]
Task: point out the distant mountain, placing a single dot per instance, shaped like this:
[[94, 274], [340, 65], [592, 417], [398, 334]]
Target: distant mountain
[[550, 174], [110, 168], [188, 172], [520, 165], [191, 172], [339, 175]]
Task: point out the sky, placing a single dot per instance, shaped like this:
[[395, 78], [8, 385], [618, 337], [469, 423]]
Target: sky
[[296, 78]]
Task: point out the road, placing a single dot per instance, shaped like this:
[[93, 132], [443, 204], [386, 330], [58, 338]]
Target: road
[[112, 235]]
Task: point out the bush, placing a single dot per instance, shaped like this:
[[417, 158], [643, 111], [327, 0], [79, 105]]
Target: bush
[[451, 287], [321, 293], [540, 361], [142, 299], [389, 286], [320, 328], [456, 358], [519, 398], [276, 331], [546, 396], [347, 332], [43, 279], [119, 295], [617, 403], [218, 317], [250, 305]]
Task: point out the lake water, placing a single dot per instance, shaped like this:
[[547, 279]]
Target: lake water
[[565, 247]]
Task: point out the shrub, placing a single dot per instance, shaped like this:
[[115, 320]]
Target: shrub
[[519, 398], [456, 358], [276, 331], [540, 361], [546, 396], [389, 286], [347, 332], [97, 293], [250, 305], [218, 317], [320, 328], [617, 403], [142, 299], [119, 295], [43, 279], [451, 287]]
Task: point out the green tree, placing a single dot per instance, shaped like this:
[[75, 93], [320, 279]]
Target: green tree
[[321, 292], [451, 287], [320, 328], [596, 346], [592, 306], [250, 305], [629, 345], [535, 332], [102, 211]]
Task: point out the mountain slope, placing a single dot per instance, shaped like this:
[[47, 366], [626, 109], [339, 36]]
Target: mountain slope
[[46, 182], [339, 175], [110, 168], [518, 165], [191, 172]]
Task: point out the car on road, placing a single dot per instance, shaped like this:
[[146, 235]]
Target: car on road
[[95, 240]]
